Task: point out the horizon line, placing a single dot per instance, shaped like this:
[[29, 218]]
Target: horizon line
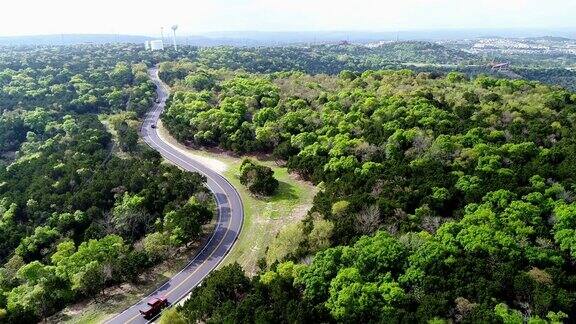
[[310, 31]]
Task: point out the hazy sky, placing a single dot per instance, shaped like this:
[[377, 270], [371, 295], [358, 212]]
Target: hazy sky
[[25, 17]]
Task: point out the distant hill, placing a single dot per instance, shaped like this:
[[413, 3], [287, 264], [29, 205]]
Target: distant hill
[[550, 39], [368, 37], [70, 39], [416, 51], [258, 38], [74, 39]]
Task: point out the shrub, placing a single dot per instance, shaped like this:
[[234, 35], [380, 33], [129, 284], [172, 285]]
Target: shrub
[[258, 178]]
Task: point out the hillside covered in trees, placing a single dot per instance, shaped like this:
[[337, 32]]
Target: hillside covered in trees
[[325, 59], [83, 205], [441, 197]]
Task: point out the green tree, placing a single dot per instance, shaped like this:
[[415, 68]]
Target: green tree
[[90, 280], [130, 215], [172, 316], [184, 224], [158, 246], [258, 178], [565, 227], [223, 285], [352, 300]]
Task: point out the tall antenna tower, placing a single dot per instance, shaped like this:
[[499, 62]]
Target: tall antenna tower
[[174, 27]]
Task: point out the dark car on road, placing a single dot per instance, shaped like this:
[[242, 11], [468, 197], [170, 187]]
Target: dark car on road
[[154, 307]]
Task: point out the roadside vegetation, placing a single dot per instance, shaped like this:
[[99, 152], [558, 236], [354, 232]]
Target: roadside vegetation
[[264, 216], [115, 299], [83, 205], [441, 198], [259, 179]]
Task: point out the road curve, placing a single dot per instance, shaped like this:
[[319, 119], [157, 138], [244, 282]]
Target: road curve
[[229, 224]]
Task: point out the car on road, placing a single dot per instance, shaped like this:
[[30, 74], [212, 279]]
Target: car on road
[[154, 307], [153, 126], [157, 101]]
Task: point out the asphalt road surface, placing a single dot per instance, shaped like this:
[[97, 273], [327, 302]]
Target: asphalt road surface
[[228, 227]]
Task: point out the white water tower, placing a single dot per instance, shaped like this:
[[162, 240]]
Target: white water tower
[[174, 27]]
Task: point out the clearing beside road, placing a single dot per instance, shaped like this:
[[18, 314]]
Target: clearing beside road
[[263, 216]]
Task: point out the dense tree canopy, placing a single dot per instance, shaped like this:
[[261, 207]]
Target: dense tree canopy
[[78, 193], [443, 196], [465, 184]]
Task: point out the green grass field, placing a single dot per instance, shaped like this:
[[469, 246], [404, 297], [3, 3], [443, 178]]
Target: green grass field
[[263, 216]]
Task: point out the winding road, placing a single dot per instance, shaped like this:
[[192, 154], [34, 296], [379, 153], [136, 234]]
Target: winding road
[[229, 224]]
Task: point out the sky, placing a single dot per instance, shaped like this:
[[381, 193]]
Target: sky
[[144, 17]]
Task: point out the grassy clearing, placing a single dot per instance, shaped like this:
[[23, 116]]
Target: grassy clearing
[[263, 217]]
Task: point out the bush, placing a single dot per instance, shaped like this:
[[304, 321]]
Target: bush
[[258, 178]]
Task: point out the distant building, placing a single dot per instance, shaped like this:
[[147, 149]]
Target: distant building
[[156, 45], [147, 45], [499, 66]]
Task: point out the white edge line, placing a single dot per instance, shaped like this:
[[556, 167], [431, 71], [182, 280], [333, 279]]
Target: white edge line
[[151, 113]]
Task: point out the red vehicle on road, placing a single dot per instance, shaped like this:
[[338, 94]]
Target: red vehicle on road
[[155, 305]]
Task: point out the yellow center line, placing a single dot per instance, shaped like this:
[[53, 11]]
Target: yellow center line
[[193, 272], [227, 225], [215, 249]]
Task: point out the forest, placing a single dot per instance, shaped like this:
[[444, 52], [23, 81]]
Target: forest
[[83, 204], [557, 76], [442, 197], [324, 59], [332, 59]]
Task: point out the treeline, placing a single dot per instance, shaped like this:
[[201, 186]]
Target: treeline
[[318, 59], [332, 59], [553, 76], [83, 205], [442, 198]]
